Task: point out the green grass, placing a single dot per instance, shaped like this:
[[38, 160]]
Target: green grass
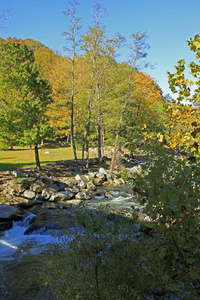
[[23, 157]]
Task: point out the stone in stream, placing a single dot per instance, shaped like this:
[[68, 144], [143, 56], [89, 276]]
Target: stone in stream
[[8, 212], [38, 186], [91, 186], [51, 219], [82, 182], [70, 182], [29, 194], [54, 186], [98, 181], [48, 192], [6, 225], [83, 196], [118, 181], [62, 196]]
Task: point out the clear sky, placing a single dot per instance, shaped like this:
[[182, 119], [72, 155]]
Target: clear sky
[[168, 23]]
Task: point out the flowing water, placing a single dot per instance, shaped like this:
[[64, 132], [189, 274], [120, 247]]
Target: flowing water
[[17, 250]]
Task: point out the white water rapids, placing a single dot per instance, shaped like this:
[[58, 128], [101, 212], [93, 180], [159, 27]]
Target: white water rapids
[[14, 244]]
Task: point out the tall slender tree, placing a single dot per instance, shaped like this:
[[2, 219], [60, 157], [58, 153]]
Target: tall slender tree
[[71, 46], [138, 50], [101, 51]]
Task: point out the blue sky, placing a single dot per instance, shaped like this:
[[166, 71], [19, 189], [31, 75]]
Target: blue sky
[[168, 23]]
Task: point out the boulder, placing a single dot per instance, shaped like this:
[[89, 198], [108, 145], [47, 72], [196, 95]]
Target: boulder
[[47, 192], [98, 181], [29, 194], [83, 196], [51, 219], [82, 182], [38, 186], [18, 174], [101, 176], [91, 186], [22, 185], [9, 190], [103, 171], [61, 196], [74, 202], [118, 181], [5, 225], [91, 174], [62, 186], [54, 187], [135, 171], [108, 195], [26, 204], [70, 182], [74, 189], [8, 212]]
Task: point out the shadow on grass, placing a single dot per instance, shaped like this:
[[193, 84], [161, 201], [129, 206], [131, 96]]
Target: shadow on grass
[[14, 166]]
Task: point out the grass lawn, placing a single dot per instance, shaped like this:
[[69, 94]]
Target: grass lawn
[[23, 157]]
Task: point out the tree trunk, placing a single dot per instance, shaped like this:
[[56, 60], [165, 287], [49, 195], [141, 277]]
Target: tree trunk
[[72, 103], [37, 159], [112, 165], [87, 128]]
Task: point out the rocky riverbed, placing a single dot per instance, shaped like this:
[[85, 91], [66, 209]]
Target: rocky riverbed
[[26, 189]]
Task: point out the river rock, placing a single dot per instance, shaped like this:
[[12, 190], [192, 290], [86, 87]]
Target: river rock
[[62, 186], [62, 196], [9, 190], [5, 225], [101, 176], [74, 202], [48, 192], [91, 174], [22, 185], [51, 219], [108, 195], [82, 182], [18, 174], [98, 181], [74, 189], [26, 204], [8, 212], [38, 186], [83, 196], [103, 171], [91, 186], [134, 172], [70, 182], [54, 187], [118, 181], [29, 194]]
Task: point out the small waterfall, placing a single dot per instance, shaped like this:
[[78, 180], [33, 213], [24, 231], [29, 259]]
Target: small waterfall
[[14, 244]]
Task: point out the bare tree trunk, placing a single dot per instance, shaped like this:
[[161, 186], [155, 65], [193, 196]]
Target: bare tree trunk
[[37, 159], [112, 165], [72, 96], [87, 128], [113, 160], [99, 135]]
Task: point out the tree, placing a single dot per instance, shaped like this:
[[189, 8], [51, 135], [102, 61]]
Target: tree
[[184, 111], [71, 40], [100, 52], [24, 95], [138, 49]]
